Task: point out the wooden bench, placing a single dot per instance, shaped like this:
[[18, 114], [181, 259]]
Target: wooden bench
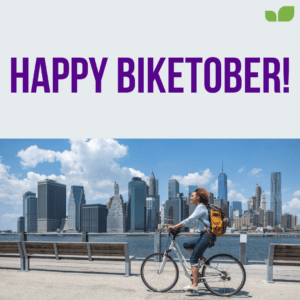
[[78, 251], [12, 249], [282, 255]]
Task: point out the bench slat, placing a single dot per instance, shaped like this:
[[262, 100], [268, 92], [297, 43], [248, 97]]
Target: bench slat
[[9, 250], [276, 263], [294, 247], [9, 255], [287, 258]]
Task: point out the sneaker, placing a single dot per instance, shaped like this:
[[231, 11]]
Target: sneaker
[[191, 288]]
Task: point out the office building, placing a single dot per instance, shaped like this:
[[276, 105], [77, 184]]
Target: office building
[[30, 212], [218, 201], [286, 221], [153, 189], [263, 204], [237, 205], [222, 185], [270, 221], [294, 221], [211, 198], [225, 208], [137, 204], [76, 199], [116, 217], [162, 213], [261, 219], [258, 196], [249, 201], [173, 189], [236, 214], [94, 217], [21, 224], [254, 202], [276, 205], [51, 205], [172, 215], [255, 219], [150, 214], [230, 212]]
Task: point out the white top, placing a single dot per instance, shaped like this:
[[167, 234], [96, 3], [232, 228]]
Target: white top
[[199, 216]]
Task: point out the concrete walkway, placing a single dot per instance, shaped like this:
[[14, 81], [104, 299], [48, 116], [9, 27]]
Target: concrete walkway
[[98, 280]]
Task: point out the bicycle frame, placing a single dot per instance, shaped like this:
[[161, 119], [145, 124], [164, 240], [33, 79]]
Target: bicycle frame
[[174, 246]]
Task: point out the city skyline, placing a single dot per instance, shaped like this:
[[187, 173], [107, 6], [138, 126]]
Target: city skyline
[[25, 162]]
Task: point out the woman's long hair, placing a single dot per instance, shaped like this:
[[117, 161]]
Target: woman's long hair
[[202, 195]]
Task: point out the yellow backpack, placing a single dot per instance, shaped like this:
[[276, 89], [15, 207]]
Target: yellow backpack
[[218, 219]]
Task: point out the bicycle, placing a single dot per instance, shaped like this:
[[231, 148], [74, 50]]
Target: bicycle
[[222, 274]]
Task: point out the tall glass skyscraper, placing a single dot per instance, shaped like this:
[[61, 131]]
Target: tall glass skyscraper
[[137, 204], [51, 205], [77, 198], [173, 189], [237, 205], [30, 212], [192, 188], [222, 186], [276, 205], [258, 196]]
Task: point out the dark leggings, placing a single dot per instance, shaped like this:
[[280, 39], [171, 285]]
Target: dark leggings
[[199, 245]]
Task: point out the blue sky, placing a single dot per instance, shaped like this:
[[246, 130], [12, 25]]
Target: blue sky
[[96, 164]]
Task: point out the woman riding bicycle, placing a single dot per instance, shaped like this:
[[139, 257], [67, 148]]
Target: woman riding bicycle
[[197, 246]]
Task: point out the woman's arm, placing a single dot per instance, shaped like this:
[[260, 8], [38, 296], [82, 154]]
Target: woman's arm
[[179, 225], [199, 212]]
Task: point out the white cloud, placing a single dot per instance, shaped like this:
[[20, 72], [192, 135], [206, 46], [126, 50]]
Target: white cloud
[[241, 169], [194, 178], [8, 217], [214, 186], [296, 194], [233, 195], [33, 156], [292, 206], [255, 171], [91, 163]]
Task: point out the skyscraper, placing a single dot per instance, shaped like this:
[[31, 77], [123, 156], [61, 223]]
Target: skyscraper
[[258, 196], [150, 214], [276, 205], [137, 204], [51, 205], [30, 212], [254, 202], [218, 201], [263, 203], [153, 192], [77, 198], [173, 189], [249, 201], [152, 184], [225, 208], [94, 217], [21, 224], [222, 185], [269, 218], [237, 205], [116, 218]]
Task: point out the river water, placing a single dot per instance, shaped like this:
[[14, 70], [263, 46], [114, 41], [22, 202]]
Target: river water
[[142, 246]]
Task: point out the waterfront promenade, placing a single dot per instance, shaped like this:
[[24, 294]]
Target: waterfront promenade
[[72, 280]]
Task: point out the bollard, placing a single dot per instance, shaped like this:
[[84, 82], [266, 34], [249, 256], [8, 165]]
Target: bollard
[[243, 244], [23, 236], [157, 244], [84, 237]]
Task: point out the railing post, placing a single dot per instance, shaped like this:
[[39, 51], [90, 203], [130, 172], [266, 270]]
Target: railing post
[[157, 244], [23, 236], [84, 237], [243, 244]]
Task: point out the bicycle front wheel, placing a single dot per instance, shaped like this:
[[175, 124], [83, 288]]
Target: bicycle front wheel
[[232, 279], [159, 273]]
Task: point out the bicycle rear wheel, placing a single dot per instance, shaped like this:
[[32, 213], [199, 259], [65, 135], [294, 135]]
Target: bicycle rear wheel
[[163, 281], [232, 280]]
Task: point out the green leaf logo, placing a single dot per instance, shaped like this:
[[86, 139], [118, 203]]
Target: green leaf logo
[[271, 16], [286, 14]]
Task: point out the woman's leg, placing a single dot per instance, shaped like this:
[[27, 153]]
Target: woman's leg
[[199, 249]]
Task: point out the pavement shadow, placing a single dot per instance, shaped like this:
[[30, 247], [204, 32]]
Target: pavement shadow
[[72, 271], [241, 294]]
